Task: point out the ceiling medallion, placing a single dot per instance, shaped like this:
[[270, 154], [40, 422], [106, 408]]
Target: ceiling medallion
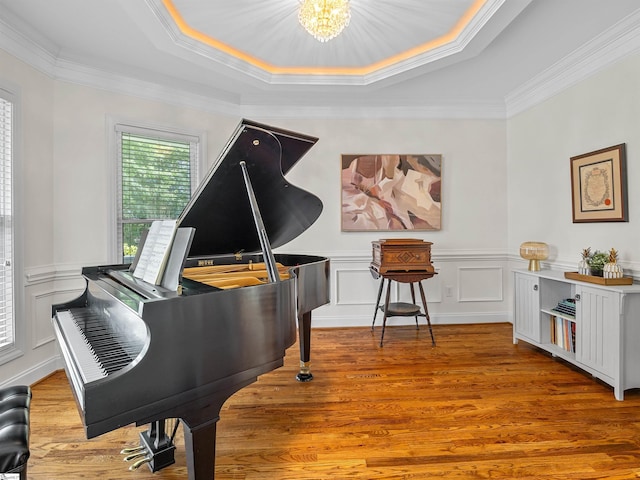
[[324, 19]]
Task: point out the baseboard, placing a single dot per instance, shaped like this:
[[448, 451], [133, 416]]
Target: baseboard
[[441, 319], [34, 374]]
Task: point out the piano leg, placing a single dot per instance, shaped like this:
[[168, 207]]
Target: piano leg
[[199, 421], [304, 333], [200, 447]]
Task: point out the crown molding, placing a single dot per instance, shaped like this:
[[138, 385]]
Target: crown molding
[[614, 44], [106, 80], [25, 49], [438, 110], [29, 46], [39, 58], [604, 50], [463, 41]]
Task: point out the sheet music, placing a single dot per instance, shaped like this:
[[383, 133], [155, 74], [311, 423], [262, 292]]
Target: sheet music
[[175, 264], [155, 251]]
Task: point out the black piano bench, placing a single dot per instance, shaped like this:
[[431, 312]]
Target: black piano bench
[[14, 431]]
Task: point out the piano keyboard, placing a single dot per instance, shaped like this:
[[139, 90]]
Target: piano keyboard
[[98, 351]]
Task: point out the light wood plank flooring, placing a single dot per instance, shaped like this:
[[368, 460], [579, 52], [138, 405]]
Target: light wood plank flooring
[[473, 407]]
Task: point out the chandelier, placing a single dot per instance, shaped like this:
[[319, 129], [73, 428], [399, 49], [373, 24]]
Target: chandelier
[[324, 19]]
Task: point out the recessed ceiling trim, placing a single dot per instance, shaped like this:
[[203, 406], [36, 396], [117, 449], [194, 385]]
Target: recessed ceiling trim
[[449, 50], [616, 43], [454, 41]]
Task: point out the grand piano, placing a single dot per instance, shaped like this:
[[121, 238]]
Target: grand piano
[[137, 352]]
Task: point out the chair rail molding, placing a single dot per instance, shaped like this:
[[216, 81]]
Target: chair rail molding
[[450, 296]]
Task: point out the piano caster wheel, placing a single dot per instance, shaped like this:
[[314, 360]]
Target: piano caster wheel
[[305, 374], [304, 377]]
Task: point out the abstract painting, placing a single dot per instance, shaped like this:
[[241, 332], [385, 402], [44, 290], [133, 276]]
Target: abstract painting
[[391, 192]]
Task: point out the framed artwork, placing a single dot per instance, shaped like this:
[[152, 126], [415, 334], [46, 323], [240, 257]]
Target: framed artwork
[[599, 186], [391, 192]]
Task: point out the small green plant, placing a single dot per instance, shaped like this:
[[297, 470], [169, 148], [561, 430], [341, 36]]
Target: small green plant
[[130, 250], [597, 261]]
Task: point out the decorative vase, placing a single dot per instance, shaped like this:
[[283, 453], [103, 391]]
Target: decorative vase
[[583, 265], [612, 269]]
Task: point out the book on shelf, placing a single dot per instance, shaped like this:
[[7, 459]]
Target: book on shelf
[[563, 333], [566, 307]]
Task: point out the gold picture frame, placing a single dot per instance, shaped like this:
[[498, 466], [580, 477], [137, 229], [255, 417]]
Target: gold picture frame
[[599, 186], [391, 192]]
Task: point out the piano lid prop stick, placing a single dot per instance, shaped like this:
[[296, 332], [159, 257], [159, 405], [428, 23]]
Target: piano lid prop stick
[[269, 258]]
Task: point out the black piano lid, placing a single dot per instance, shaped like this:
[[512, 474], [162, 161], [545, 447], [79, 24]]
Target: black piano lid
[[220, 210]]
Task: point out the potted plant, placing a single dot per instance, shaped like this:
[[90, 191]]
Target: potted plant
[[597, 262]]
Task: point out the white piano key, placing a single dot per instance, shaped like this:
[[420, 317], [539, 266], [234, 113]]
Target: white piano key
[[84, 356]]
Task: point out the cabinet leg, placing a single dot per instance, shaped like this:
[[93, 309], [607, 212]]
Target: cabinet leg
[[618, 392]]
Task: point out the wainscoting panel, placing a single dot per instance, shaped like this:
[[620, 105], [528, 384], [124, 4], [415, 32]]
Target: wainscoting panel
[[432, 290], [480, 284], [468, 288], [42, 330], [354, 287]]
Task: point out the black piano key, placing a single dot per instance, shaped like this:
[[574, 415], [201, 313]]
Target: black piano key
[[113, 349]]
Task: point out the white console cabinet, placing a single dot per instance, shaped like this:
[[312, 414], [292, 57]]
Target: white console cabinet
[[602, 337]]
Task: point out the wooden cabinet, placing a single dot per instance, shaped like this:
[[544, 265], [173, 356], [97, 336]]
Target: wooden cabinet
[[527, 308], [599, 335], [602, 335], [401, 255]]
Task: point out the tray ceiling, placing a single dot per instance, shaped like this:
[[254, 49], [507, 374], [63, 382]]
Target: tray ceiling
[[249, 52]]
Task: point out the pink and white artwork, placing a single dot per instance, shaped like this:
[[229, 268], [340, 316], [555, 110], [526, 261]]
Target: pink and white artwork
[[391, 192]]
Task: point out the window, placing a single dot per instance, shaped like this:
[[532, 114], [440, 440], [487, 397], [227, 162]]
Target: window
[[7, 301], [157, 174]]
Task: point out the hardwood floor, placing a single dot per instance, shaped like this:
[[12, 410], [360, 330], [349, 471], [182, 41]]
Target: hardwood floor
[[475, 406]]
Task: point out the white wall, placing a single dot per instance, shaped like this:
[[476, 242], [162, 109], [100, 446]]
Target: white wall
[[84, 163], [474, 197], [34, 205], [469, 250], [68, 202], [474, 171], [599, 112]]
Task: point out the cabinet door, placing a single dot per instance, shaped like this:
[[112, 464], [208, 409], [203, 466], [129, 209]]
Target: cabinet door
[[527, 306], [598, 329]]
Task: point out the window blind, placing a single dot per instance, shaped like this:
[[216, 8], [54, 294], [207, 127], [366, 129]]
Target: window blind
[[6, 225], [156, 179]]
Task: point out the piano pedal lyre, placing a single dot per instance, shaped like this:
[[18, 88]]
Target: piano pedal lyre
[[156, 448]]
